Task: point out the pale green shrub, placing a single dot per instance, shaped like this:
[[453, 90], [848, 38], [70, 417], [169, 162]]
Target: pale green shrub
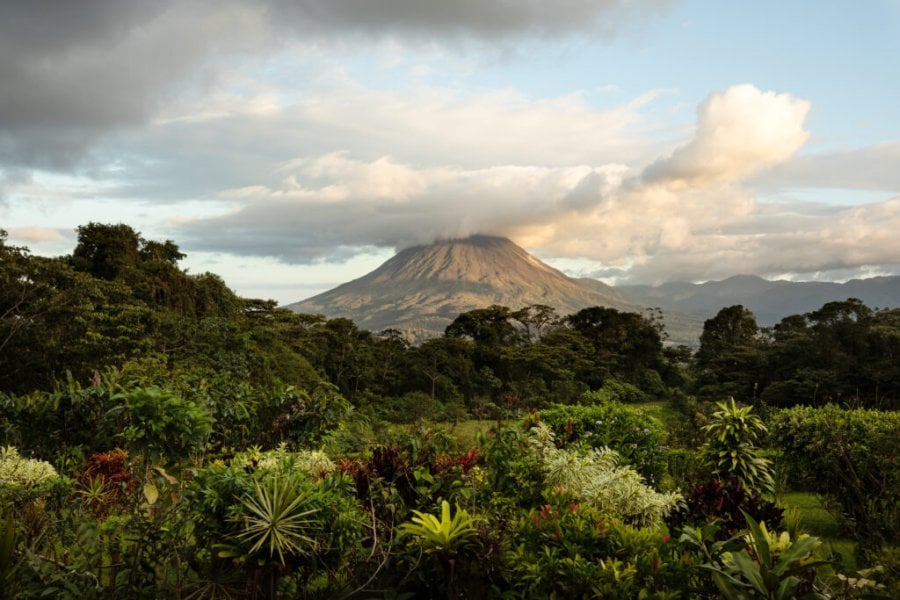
[[19, 472], [596, 479]]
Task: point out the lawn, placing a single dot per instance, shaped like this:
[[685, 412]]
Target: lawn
[[819, 522]]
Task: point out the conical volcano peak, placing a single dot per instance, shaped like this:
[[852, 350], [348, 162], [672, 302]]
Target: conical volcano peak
[[423, 288], [478, 258]]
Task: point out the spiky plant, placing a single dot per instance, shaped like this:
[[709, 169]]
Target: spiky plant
[[276, 519]]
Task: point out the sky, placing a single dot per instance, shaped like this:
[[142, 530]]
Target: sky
[[293, 145]]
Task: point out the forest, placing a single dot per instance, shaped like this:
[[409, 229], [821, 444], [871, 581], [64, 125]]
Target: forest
[[166, 438]]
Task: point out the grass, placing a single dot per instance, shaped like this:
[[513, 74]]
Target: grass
[[660, 410], [821, 523], [466, 432]]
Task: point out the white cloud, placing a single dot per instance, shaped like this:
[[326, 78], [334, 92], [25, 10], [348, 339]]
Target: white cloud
[[739, 131], [33, 235], [688, 215]]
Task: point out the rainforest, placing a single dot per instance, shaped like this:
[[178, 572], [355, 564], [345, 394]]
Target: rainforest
[[163, 437]]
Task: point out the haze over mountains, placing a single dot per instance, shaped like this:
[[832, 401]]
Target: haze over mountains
[[423, 288]]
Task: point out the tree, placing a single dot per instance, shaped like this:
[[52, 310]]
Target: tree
[[729, 359], [625, 345], [106, 251], [485, 326], [537, 319]]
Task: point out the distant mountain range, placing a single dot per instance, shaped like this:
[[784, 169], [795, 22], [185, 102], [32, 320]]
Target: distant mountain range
[[770, 301], [423, 288]]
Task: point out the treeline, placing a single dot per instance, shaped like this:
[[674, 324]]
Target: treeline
[[120, 300]]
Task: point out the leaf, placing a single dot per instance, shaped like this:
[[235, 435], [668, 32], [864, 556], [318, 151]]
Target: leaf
[[750, 571], [761, 543], [727, 585], [169, 479], [151, 493], [786, 589], [799, 550]]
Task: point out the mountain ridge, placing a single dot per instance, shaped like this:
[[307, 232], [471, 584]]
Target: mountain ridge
[[421, 289], [769, 300]]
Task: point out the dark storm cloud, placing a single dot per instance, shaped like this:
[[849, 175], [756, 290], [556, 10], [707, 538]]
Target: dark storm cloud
[[73, 71], [59, 85], [469, 18]]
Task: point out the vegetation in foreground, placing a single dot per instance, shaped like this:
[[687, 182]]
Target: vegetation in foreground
[[164, 438]]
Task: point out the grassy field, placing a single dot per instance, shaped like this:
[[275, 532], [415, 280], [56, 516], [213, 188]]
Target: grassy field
[[819, 522], [467, 431]]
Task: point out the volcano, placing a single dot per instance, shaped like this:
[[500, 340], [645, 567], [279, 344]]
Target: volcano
[[423, 288]]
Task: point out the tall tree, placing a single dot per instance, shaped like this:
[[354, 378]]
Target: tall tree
[[729, 359]]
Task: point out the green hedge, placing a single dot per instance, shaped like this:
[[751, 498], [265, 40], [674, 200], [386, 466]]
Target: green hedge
[[849, 457]]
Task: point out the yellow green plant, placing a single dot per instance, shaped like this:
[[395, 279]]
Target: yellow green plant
[[444, 535], [16, 471], [771, 567], [276, 519]]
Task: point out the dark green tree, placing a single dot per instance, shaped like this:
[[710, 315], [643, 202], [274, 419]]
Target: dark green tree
[[624, 345], [730, 357], [106, 251]]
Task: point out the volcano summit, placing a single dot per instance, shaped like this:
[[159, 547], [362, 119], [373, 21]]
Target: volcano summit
[[423, 288]]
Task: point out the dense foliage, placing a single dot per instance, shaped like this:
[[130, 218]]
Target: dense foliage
[[845, 353], [162, 437], [849, 457]]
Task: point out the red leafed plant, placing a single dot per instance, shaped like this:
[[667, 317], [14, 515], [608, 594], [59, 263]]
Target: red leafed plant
[[105, 478]]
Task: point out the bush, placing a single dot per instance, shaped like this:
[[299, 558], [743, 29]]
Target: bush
[[617, 391], [17, 471], [725, 503], [596, 479], [637, 437], [850, 458], [160, 424]]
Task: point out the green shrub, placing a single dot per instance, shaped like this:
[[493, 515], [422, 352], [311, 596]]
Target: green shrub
[[617, 391], [638, 438], [160, 424], [850, 458], [275, 514], [564, 549]]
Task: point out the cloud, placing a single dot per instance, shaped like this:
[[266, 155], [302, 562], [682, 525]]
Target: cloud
[[335, 201], [869, 168], [690, 214], [74, 72], [471, 18], [739, 131], [192, 154], [38, 234]]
